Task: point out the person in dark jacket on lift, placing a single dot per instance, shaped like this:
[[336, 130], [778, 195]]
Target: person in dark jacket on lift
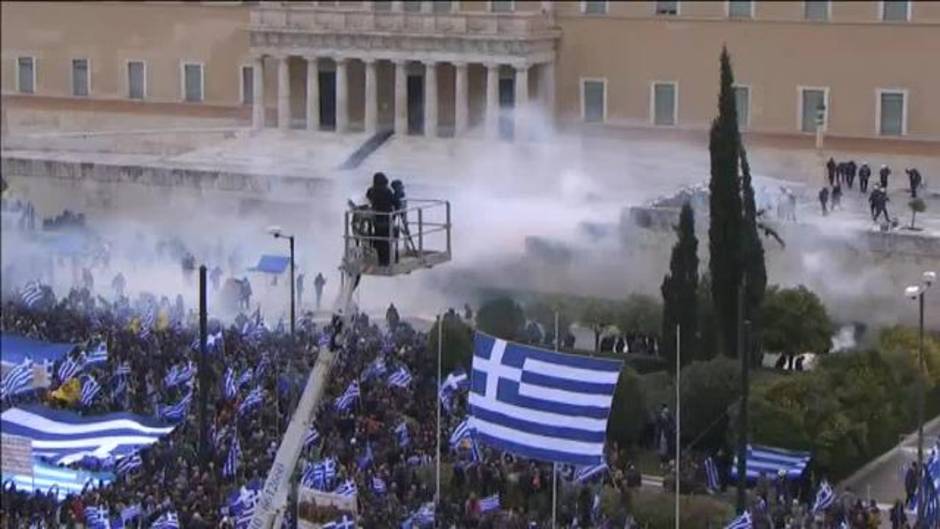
[[382, 202]]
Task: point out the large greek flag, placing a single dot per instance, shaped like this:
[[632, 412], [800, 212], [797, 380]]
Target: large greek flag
[[60, 481], [66, 437], [541, 404]]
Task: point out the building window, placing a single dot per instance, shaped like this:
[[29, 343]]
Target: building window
[[664, 103], [382, 6], [740, 9], [813, 105], [895, 11], [411, 6], [667, 8], [442, 7], [594, 100], [892, 112], [502, 6], [25, 75], [742, 103], [816, 10], [136, 80], [192, 82], [594, 7], [80, 77], [248, 85]]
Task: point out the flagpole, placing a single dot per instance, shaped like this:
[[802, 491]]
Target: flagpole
[[555, 465], [440, 346], [678, 412]]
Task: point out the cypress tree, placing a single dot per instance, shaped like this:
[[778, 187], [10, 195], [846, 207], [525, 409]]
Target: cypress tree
[[680, 293], [754, 267], [724, 230]]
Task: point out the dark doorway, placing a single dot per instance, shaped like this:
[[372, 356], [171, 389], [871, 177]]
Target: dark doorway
[[507, 101], [327, 100], [415, 104]]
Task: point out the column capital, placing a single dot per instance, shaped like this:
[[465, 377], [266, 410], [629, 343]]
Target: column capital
[[459, 64], [521, 67], [430, 62], [492, 65], [340, 60], [311, 58], [369, 60], [399, 62]]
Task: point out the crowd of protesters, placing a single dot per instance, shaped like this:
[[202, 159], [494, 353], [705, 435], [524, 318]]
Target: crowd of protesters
[[841, 178]]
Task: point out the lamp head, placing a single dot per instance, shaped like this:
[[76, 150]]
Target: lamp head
[[275, 230], [912, 291], [930, 277]]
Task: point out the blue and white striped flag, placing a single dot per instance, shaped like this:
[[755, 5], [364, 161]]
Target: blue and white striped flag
[[241, 504], [341, 523], [123, 369], [214, 341], [347, 488], [229, 388], [345, 401], [18, 379], [176, 412], [147, 320], [230, 468], [401, 432], [311, 437], [90, 390], [179, 374], [825, 497], [98, 355], [70, 368], [464, 430], [741, 522], [168, 520], [254, 399], [587, 473], [378, 485], [319, 475], [376, 369], [129, 464], [541, 404], [97, 517], [489, 503], [32, 294], [245, 377], [455, 382], [400, 378], [711, 475]]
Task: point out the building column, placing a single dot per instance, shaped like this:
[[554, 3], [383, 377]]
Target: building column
[[492, 100], [283, 94], [313, 94], [342, 105], [547, 87], [257, 90], [401, 99], [521, 107], [430, 99], [461, 99], [372, 111]]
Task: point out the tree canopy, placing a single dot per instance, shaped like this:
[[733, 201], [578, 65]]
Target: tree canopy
[[794, 321]]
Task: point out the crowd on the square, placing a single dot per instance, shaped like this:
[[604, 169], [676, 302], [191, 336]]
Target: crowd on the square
[[842, 176]]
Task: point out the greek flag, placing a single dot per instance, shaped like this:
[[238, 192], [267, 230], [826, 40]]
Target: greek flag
[[541, 404], [587, 473], [229, 388], [400, 378], [401, 431], [375, 369], [231, 462], [179, 374], [456, 381], [343, 523], [367, 458], [214, 341], [18, 379], [176, 412], [147, 321], [319, 475], [824, 497], [241, 504], [97, 518], [90, 390], [927, 496], [378, 485], [489, 503], [98, 355], [347, 488], [711, 475], [167, 520], [129, 464], [741, 522], [311, 437], [770, 461], [254, 399], [345, 401], [423, 518], [463, 431], [123, 369], [70, 368], [245, 377], [32, 294]]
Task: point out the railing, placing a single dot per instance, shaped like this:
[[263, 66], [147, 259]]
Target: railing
[[333, 20], [412, 238]]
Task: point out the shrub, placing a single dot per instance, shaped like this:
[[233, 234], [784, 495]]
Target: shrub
[[501, 317], [656, 510]]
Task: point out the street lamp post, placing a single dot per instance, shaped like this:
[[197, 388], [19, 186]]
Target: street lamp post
[[917, 292], [278, 234]]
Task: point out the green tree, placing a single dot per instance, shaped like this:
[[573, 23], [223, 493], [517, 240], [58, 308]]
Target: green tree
[[680, 292], [900, 345], [543, 311], [917, 205], [501, 317], [597, 314], [707, 390], [755, 269], [458, 345], [639, 313], [628, 413], [795, 321], [725, 227]]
